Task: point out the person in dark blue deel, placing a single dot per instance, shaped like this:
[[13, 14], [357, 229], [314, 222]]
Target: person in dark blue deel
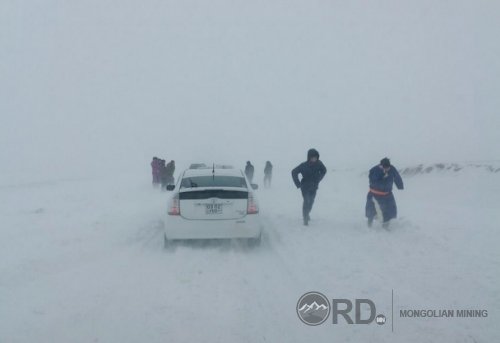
[[312, 171], [380, 201]]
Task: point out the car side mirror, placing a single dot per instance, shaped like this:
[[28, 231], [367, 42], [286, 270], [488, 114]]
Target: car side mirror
[[255, 186], [170, 187]]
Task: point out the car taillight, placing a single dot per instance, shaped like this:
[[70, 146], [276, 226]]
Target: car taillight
[[252, 207], [174, 208]]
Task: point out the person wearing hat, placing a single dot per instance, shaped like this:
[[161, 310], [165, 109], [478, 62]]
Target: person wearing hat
[[380, 201], [312, 172]]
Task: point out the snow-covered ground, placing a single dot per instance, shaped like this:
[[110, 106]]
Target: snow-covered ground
[[83, 261]]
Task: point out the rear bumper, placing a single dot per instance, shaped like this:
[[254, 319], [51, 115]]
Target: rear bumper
[[177, 227]]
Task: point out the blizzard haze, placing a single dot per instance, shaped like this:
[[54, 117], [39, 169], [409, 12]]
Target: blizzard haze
[[95, 86], [91, 90]]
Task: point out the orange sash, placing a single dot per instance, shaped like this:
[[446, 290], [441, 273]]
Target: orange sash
[[374, 191]]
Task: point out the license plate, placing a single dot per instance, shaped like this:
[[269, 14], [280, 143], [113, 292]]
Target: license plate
[[213, 209]]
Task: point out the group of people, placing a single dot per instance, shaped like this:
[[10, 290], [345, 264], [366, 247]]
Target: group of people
[[163, 173], [268, 173], [380, 202]]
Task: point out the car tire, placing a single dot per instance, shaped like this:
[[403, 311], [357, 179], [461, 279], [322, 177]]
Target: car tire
[[254, 242], [167, 243]]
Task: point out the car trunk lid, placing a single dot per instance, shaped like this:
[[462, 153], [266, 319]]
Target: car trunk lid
[[213, 203]]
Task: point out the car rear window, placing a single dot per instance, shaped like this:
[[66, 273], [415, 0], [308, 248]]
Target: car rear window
[[213, 193], [213, 181]]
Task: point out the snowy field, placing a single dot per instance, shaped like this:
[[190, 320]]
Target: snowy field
[[83, 261]]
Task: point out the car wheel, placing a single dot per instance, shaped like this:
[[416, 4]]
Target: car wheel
[[167, 243], [254, 242]]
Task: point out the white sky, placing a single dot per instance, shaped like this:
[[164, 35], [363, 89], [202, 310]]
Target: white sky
[[95, 85]]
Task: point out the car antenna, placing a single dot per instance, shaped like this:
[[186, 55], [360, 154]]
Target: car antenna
[[213, 172]]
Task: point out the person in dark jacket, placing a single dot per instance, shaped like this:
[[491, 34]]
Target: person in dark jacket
[[170, 170], [249, 170], [312, 171], [380, 201], [155, 166], [268, 174], [163, 173]]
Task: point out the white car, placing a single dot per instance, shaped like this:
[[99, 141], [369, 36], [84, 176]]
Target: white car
[[213, 203]]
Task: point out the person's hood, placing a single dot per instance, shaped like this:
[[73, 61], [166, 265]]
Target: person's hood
[[312, 153], [385, 162]]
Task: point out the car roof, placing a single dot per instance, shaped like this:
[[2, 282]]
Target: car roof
[[200, 165], [209, 172]]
